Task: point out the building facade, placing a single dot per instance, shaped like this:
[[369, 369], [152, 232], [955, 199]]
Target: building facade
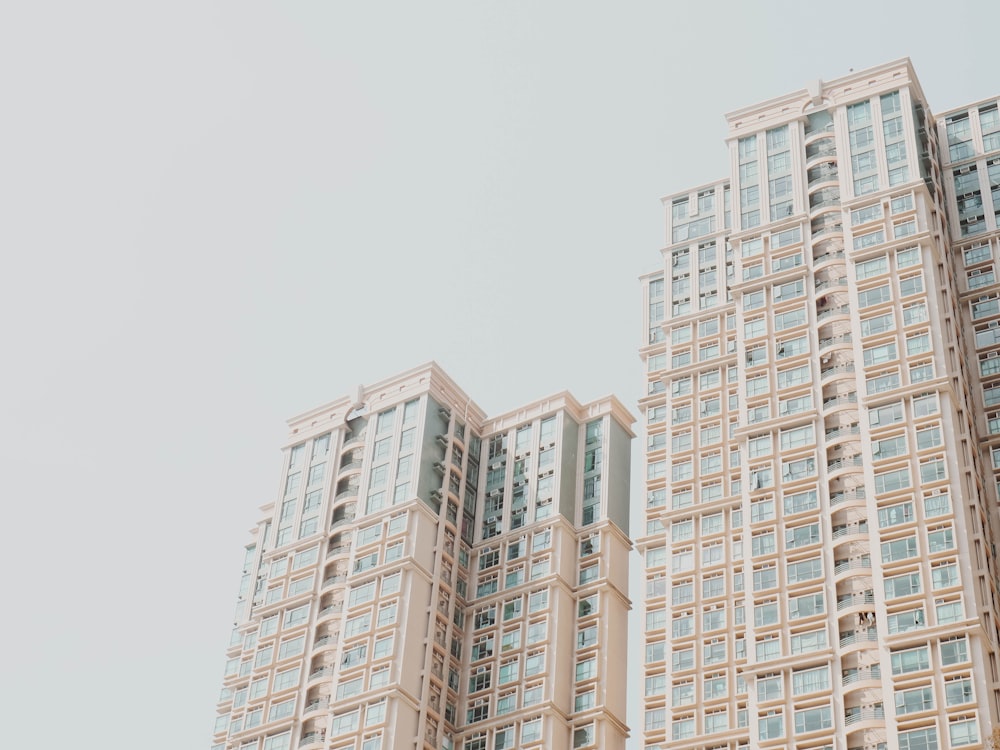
[[823, 430], [430, 577]]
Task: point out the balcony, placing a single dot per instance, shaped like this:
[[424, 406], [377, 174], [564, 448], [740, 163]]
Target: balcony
[[823, 173], [354, 439], [828, 312], [853, 529], [822, 148], [861, 636], [846, 368], [846, 601], [848, 462], [844, 496], [321, 672], [340, 521], [349, 491], [325, 641], [852, 676], [349, 467], [312, 738], [839, 432], [856, 564], [838, 282], [856, 715], [333, 609], [317, 705], [823, 199], [844, 399]]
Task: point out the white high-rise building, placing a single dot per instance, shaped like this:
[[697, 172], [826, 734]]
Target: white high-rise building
[[429, 577], [822, 344]]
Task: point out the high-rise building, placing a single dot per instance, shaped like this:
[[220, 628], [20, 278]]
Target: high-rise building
[[429, 577], [823, 425]]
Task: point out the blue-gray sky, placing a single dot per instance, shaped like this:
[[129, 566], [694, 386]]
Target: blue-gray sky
[[216, 215]]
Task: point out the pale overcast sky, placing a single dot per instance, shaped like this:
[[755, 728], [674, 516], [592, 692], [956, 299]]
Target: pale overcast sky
[[215, 215]]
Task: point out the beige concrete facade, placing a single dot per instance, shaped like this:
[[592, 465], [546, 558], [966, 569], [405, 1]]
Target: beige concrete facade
[[823, 427], [432, 578]]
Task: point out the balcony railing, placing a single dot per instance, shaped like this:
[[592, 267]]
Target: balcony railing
[[341, 521], [850, 676], [837, 432], [845, 565], [332, 609], [321, 672], [842, 339], [862, 637], [822, 174], [853, 716], [820, 148], [853, 600], [844, 463], [845, 398], [831, 311], [854, 529], [826, 372], [830, 284], [317, 705], [858, 493]]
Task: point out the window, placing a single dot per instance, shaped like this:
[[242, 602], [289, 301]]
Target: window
[[918, 739], [764, 578], [813, 719], [504, 738], [876, 296], [801, 502], [681, 659], [292, 647], [306, 557], [583, 736], [810, 680], [958, 691], [531, 730], [770, 726], [899, 549], [765, 614], [806, 642], [954, 651], [717, 721], [875, 355], [910, 660], [940, 539], [902, 585], [963, 732], [889, 481], [944, 576], [889, 447], [345, 723], [806, 606], [278, 741], [902, 622]]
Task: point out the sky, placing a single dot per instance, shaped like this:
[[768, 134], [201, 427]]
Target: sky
[[217, 215]]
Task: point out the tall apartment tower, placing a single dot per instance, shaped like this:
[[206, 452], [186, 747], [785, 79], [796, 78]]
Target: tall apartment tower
[[428, 577], [823, 425]]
